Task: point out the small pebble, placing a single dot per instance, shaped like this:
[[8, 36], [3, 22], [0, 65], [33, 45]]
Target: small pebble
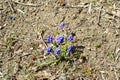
[[62, 77], [1, 27]]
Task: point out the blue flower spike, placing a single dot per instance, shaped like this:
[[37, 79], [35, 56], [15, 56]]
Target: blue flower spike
[[70, 49], [49, 38], [10, 17], [62, 24], [57, 51], [60, 39], [70, 37], [49, 49]]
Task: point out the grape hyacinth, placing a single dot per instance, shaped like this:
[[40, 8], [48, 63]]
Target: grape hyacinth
[[70, 49], [49, 38], [57, 51], [70, 37], [49, 49], [10, 17], [62, 24], [60, 39]]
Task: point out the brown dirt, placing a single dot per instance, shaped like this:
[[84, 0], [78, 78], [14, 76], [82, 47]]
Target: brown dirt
[[20, 47]]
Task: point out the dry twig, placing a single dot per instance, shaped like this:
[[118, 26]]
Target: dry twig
[[113, 14], [85, 5], [19, 10], [1, 8], [33, 5], [42, 39], [117, 78], [89, 9], [99, 15], [117, 54], [103, 78], [9, 3], [116, 51]]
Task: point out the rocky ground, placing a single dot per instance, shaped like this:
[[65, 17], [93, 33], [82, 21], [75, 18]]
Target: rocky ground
[[95, 24]]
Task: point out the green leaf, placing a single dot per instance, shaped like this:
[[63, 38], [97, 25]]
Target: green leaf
[[47, 62], [73, 68]]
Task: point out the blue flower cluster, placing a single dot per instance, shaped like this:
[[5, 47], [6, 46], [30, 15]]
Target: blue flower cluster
[[62, 24], [57, 51], [49, 49], [70, 49], [70, 37], [49, 38], [59, 39], [10, 17]]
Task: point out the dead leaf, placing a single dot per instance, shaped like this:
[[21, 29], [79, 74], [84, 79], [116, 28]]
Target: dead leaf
[[61, 2], [43, 74]]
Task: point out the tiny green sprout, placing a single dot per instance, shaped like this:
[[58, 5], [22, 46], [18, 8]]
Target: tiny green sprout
[[98, 45], [111, 55]]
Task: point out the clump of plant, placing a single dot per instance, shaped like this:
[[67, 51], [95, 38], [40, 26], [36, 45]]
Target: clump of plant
[[59, 49], [60, 46]]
